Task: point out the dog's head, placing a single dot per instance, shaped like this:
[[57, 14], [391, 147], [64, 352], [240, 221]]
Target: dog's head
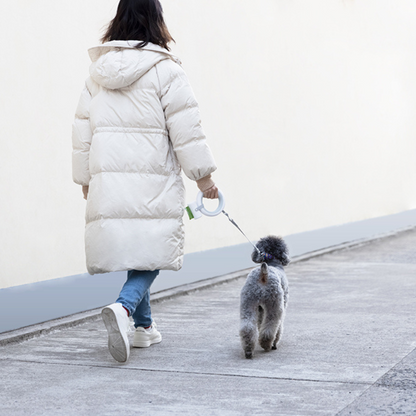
[[274, 248]]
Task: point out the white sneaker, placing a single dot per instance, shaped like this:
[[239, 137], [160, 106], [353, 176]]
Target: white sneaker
[[117, 323], [144, 338]]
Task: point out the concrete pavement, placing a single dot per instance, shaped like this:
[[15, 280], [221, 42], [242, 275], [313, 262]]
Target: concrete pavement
[[349, 348]]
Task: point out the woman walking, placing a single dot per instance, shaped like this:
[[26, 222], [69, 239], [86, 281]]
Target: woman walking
[[136, 126]]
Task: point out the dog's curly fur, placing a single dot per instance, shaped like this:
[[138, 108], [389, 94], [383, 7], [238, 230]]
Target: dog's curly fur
[[264, 297]]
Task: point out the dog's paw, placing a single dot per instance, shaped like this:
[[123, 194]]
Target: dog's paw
[[249, 354], [266, 343]]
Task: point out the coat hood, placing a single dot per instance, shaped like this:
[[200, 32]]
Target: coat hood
[[117, 64]]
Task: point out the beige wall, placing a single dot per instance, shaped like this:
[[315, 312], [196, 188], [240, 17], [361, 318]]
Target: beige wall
[[309, 107]]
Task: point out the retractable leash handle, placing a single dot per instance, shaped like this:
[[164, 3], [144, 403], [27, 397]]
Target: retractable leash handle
[[196, 209]]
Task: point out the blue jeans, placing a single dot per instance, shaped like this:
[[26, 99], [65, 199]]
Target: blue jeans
[[135, 296]]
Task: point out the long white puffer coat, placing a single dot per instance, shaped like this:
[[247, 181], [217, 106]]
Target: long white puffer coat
[[137, 123]]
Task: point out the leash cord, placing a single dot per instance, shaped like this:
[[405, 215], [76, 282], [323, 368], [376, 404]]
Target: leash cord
[[242, 232]]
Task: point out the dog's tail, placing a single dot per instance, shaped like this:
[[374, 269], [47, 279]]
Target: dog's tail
[[264, 273]]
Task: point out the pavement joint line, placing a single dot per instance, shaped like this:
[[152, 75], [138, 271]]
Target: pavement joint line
[[355, 399], [44, 328], [152, 370], [378, 384]]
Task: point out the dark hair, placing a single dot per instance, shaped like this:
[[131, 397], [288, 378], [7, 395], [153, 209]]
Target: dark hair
[[140, 20]]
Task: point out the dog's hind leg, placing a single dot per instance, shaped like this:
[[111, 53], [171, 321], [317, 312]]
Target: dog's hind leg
[[278, 335], [248, 329], [272, 323]]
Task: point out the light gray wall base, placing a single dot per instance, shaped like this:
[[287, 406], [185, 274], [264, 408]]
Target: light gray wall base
[[30, 304]]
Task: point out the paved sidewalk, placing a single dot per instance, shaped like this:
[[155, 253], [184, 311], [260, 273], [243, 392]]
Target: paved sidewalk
[[348, 349]]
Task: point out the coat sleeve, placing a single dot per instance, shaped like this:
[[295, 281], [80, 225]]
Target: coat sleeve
[[81, 140], [184, 125]]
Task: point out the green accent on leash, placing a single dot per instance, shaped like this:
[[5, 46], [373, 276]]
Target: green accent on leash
[[191, 216]]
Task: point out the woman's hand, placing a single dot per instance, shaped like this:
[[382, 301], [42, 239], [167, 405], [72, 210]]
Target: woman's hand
[[85, 189], [207, 186], [211, 193]]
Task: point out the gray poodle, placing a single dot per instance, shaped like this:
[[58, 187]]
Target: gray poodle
[[264, 296]]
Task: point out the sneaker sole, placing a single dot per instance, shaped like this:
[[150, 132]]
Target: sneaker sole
[[146, 344], [118, 345]]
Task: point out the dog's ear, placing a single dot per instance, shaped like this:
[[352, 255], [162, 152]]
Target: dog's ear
[[255, 256], [285, 259], [281, 251]]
